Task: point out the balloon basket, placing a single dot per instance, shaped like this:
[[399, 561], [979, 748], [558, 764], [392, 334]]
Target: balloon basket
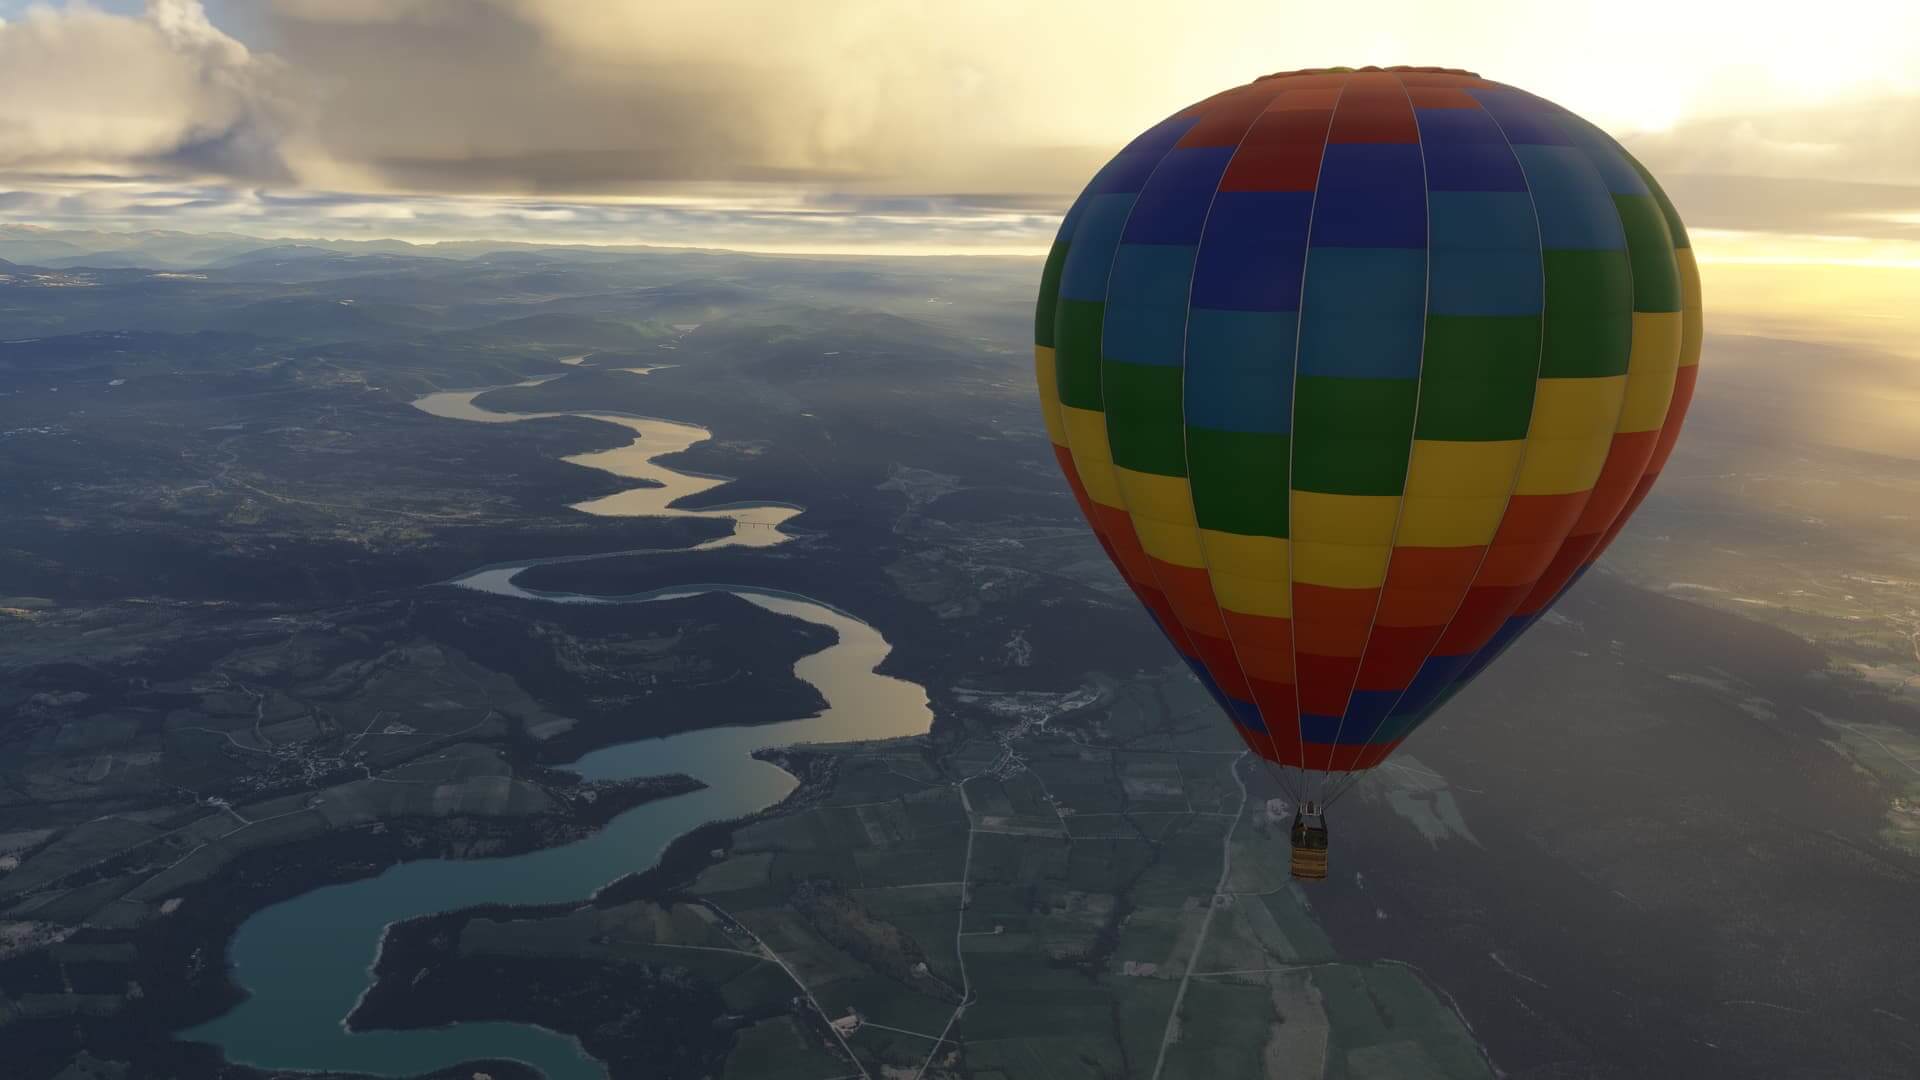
[[1310, 864], [1309, 839]]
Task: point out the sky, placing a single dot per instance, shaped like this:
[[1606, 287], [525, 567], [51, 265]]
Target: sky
[[1788, 134]]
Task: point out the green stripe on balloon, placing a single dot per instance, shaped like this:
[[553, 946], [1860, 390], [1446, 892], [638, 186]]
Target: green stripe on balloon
[[1143, 417], [1589, 317], [1239, 481], [1077, 352], [1656, 277], [1477, 383], [1352, 436]]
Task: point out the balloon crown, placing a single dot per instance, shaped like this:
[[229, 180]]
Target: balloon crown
[[1370, 67]]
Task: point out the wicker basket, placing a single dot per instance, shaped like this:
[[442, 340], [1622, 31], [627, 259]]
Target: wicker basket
[[1310, 863]]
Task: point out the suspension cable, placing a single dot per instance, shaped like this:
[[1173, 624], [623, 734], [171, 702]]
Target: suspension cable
[[1278, 773], [1348, 783]]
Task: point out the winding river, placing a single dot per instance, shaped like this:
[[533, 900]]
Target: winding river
[[754, 524], [306, 962]]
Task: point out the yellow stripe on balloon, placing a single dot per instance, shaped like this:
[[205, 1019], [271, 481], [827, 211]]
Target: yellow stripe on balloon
[[1343, 519], [1575, 408], [1340, 566], [1044, 373], [1571, 432], [1162, 512], [1439, 521], [1650, 370], [1170, 542], [1252, 596], [1692, 322], [1261, 557], [1562, 466], [1162, 498], [1087, 439], [1458, 469], [1250, 574]]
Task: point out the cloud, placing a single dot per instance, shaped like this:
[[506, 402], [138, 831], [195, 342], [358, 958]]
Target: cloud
[[805, 119], [162, 90], [1863, 140], [604, 96], [1843, 169], [1797, 206], [901, 96], [611, 97], [743, 219]]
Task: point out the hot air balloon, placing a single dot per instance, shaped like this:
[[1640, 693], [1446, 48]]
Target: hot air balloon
[[1353, 373]]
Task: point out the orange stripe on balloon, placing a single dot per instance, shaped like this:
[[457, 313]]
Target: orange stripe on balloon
[[1483, 611], [1424, 584], [1325, 682], [1621, 474], [1114, 529], [1265, 645], [1626, 463], [1684, 381], [1394, 655], [1683, 385], [1332, 621], [1190, 592], [1350, 757]]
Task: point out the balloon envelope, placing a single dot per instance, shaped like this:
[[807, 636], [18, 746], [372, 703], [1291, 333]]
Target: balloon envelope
[[1353, 373]]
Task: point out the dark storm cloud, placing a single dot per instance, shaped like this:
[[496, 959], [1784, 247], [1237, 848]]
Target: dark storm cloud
[[812, 121], [597, 97], [491, 96], [247, 150], [475, 96], [83, 89]]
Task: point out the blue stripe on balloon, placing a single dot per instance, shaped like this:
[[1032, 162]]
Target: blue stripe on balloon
[[1465, 151], [1371, 195], [1090, 255], [1146, 310], [1252, 251], [1173, 204], [1239, 370]]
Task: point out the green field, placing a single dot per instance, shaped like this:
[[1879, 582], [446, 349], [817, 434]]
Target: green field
[[1086, 870]]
